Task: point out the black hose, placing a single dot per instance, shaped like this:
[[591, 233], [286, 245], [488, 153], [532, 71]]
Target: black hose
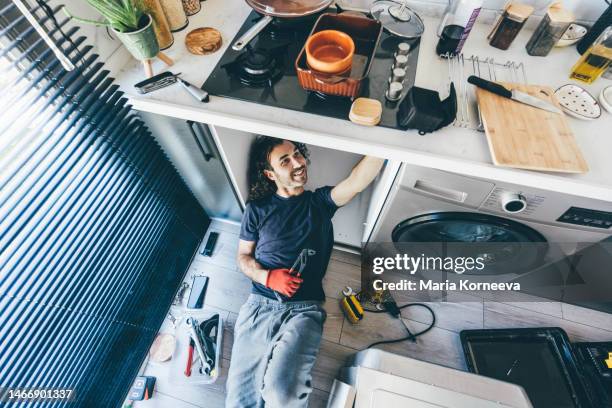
[[410, 335]]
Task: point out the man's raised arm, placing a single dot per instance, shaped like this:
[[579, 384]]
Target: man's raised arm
[[361, 176]]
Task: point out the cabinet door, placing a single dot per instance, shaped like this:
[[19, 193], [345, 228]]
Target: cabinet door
[[329, 167], [193, 152], [234, 146]]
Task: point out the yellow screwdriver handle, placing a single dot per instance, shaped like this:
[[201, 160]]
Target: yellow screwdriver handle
[[609, 360]]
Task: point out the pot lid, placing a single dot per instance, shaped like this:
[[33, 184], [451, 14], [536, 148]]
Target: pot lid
[[398, 19]]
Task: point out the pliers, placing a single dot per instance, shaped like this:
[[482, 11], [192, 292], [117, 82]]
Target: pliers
[[298, 267], [300, 263]]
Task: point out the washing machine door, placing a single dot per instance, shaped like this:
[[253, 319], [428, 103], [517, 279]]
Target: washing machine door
[[505, 245]]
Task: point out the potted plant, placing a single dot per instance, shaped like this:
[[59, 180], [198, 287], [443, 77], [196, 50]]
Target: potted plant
[[131, 24]]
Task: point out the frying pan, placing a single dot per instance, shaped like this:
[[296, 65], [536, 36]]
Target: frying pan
[[278, 8]]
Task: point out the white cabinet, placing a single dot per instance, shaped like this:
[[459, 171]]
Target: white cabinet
[[327, 167]]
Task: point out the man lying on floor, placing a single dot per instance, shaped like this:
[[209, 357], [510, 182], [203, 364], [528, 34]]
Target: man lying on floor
[[278, 330]]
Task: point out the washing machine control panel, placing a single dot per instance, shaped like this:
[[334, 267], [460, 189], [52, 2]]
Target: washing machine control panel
[[586, 217], [512, 202]]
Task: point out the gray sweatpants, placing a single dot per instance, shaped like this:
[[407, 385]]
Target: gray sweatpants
[[275, 347]]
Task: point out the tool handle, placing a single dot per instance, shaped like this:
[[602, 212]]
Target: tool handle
[[252, 33], [196, 340], [189, 359], [199, 94], [497, 89]]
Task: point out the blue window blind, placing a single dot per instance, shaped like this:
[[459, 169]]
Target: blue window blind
[[97, 229]]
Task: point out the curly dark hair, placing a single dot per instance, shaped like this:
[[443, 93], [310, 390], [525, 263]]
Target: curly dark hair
[[260, 185]]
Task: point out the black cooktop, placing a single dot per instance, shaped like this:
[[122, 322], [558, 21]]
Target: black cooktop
[[265, 73]]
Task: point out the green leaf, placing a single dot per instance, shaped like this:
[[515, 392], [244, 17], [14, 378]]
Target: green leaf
[[84, 20], [123, 15]]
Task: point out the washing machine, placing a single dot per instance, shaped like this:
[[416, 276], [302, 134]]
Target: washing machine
[[428, 205]]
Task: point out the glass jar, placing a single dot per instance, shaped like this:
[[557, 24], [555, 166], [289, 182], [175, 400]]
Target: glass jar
[[549, 31], [173, 9], [509, 25], [596, 60], [160, 23], [191, 7]]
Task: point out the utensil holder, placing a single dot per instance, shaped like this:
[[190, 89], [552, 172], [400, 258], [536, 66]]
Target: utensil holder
[[461, 67]]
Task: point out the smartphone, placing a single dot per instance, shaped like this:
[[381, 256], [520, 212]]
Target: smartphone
[[198, 292], [210, 244]]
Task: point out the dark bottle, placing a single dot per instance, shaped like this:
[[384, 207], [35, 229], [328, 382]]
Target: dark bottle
[[603, 22], [509, 25], [458, 20], [449, 40]]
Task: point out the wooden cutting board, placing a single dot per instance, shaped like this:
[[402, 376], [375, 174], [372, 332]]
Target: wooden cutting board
[[529, 138]]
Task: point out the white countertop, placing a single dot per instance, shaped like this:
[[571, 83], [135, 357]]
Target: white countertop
[[452, 149]]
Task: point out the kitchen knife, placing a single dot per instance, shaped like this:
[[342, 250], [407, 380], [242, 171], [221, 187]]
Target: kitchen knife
[[513, 94]]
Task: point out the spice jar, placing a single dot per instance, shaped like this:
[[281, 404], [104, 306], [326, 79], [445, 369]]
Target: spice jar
[[550, 30], [509, 24], [160, 23], [191, 7], [173, 9]]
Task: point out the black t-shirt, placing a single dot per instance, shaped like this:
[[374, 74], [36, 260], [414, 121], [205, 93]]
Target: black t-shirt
[[282, 227]]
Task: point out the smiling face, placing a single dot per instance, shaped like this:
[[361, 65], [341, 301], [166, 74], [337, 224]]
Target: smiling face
[[289, 168]]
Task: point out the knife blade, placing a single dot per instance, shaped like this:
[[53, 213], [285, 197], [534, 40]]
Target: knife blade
[[513, 94]]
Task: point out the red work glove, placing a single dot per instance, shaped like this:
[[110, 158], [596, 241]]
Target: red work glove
[[283, 282]]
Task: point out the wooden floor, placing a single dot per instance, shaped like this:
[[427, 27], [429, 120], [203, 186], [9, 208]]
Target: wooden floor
[[229, 288]]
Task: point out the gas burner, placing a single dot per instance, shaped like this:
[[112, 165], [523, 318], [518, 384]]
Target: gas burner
[[258, 67], [258, 62]]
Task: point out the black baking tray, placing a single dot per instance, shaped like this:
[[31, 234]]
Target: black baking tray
[[541, 360]]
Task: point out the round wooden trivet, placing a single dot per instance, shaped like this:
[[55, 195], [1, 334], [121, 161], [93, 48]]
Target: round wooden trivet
[[204, 40]]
